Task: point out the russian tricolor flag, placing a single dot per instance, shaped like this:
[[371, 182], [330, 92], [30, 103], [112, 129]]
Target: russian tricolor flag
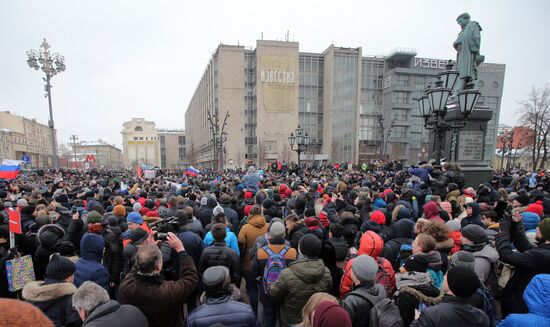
[[192, 171], [10, 168]]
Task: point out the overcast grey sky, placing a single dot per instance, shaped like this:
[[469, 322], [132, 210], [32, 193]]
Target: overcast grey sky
[[144, 58]]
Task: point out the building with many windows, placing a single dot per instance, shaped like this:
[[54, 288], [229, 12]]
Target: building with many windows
[[172, 148], [93, 154], [22, 136], [354, 107], [140, 143]]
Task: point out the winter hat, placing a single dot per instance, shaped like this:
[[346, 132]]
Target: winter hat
[[267, 203], [22, 203], [136, 207], [135, 217], [462, 281], [454, 225], [60, 267], [536, 208], [544, 228], [462, 259], [204, 201], [43, 220], [276, 230], [379, 217], [216, 280], [94, 217], [310, 246], [364, 268], [17, 313], [251, 169], [447, 206], [475, 233], [523, 199], [138, 236], [417, 263], [330, 314], [470, 192], [274, 220], [248, 195], [217, 210], [530, 220], [310, 212], [119, 210]]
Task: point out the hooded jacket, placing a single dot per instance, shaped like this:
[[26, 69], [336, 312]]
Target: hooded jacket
[[431, 211], [247, 237], [450, 312], [297, 284], [54, 298], [484, 261], [372, 245], [536, 297], [414, 288], [205, 215], [89, 267], [474, 218]]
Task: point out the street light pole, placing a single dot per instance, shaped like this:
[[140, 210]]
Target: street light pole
[[74, 138], [45, 60], [301, 141]]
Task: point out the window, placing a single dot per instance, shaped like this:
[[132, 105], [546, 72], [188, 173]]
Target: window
[[402, 80], [138, 129], [135, 138], [494, 84], [141, 138], [400, 97], [400, 114], [399, 132]]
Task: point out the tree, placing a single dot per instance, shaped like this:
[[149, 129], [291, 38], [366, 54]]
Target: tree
[[192, 153], [535, 113]]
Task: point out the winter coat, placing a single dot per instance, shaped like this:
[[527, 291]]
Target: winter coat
[[247, 237], [456, 235], [297, 283], [231, 215], [528, 261], [259, 262], [112, 258], [112, 314], [205, 215], [296, 234], [452, 312], [54, 298], [372, 245], [193, 244], [161, 301], [536, 296], [222, 310], [230, 240], [89, 267], [444, 249], [484, 261], [251, 182], [414, 288], [357, 305], [219, 254], [475, 218]]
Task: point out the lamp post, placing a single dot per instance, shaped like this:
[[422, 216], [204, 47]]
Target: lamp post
[[299, 139], [51, 64], [74, 138], [507, 139], [433, 106]]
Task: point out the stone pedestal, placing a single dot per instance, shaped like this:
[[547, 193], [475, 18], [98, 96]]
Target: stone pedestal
[[466, 145]]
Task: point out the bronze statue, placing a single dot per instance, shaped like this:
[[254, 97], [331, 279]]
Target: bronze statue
[[467, 46]]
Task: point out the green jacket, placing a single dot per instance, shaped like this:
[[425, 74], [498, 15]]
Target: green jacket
[[297, 284]]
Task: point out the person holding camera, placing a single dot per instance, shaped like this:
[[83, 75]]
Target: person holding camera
[[161, 301]]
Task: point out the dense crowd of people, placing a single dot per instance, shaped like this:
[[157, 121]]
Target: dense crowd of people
[[337, 245]]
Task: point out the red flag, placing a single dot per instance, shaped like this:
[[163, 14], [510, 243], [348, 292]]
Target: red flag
[[15, 222], [139, 171]]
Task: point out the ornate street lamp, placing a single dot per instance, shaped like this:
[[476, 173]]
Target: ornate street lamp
[[51, 64], [299, 139]]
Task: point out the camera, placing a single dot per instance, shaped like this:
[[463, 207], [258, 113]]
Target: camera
[[163, 227]]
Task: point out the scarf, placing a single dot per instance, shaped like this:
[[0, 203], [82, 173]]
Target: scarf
[[412, 279]]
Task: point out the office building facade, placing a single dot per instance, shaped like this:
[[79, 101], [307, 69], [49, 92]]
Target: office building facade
[[355, 108], [172, 148]]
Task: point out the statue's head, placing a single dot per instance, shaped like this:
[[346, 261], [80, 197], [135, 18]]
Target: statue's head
[[463, 19]]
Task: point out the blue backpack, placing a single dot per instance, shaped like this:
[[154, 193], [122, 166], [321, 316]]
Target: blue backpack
[[273, 267]]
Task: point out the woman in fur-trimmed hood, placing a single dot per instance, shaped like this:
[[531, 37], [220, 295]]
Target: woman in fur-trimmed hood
[[53, 296]]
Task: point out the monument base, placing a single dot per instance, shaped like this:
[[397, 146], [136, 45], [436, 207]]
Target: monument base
[[476, 175]]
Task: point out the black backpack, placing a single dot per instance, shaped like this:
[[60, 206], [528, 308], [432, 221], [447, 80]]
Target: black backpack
[[384, 312]]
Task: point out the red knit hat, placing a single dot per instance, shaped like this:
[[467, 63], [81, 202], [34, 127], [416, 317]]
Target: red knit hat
[[378, 217], [248, 195], [536, 208], [17, 313]]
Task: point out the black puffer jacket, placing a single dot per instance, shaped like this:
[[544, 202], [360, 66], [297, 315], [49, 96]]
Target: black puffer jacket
[[54, 298], [112, 256], [452, 312], [219, 254], [357, 304], [296, 234]]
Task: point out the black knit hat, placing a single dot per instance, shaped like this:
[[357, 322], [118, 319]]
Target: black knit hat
[[475, 233], [216, 280], [462, 281], [416, 263], [138, 236], [60, 267], [523, 199], [310, 246]]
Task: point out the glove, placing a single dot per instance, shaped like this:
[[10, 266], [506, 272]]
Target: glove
[[505, 224]]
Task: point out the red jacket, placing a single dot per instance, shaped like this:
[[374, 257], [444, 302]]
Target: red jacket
[[456, 235], [372, 245]]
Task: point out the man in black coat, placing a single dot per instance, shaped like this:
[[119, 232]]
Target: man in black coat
[[219, 254], [220, 305], [528, 260], [454, 310], [94, 307]]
